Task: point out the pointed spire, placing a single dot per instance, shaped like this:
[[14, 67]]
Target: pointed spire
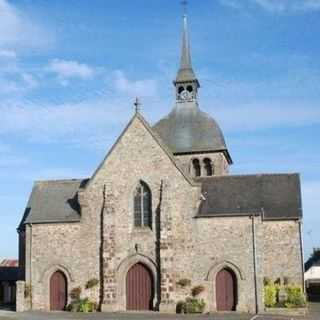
[[185, 54], [185, 72]]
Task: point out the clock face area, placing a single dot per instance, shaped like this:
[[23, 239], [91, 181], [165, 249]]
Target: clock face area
[[185, 93]]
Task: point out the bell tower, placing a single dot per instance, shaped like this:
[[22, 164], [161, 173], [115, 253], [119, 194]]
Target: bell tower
[[186, 82], [193, 136]]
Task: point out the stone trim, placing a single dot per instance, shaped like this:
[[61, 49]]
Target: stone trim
[[211, 278], [122, 271], [44, 279]]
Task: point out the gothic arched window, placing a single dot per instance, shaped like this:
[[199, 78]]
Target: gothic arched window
[[142, 206], [208, 167], [196, 167]]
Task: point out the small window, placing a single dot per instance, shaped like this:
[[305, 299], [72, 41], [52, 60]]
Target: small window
[[180, 89], [142, 206], [208, 168], [196, 167], [189, 88]]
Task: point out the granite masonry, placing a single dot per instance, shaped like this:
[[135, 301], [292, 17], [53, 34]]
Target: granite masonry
[[161, 215]]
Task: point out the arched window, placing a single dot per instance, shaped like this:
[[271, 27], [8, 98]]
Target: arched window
[[190, 88], [196, 167], [142, 206], [208, 167], [180, 89]]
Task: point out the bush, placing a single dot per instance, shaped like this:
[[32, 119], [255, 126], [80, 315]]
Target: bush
[[197, 290], [91, 283], [82, 305], [193, 305], [184, 282], [270, 295], [296, 297], [266, 281], [75, 293], [181, 307], [286, 281]]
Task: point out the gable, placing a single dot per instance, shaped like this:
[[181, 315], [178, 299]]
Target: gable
[[138, 137]]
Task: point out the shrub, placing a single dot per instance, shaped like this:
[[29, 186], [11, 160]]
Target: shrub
[[92, 283], [197, 290], [278, 281], [82, 305], [286, 281], [75, 293], [181, 307], [184, 282], [296, 297], [266, 281], [193, 305], [270, 296]]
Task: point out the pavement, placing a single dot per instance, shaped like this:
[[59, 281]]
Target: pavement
[[314, 314]]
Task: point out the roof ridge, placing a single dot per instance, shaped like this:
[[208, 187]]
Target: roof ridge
[[250, 175]]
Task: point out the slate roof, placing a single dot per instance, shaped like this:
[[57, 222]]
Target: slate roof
[[187, 129], [53, 201], [276, 196], [11, 274]]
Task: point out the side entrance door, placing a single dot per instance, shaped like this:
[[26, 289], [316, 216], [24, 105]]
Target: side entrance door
[[58, 291], [226, 290]]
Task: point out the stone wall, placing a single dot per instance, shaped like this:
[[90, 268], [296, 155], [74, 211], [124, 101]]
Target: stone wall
[[105, 244], [137, 156], [65, 247], [282, 254]]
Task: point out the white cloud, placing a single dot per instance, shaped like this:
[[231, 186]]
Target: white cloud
[[18, 30], [289, 5], [66, 69], [74, 121], [259, 116], [138, 88], [278, 6], [8, 54]]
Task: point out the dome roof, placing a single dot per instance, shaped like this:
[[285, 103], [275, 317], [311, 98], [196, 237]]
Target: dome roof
[[188, 129]]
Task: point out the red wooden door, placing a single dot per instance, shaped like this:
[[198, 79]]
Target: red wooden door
[[58, 291], [139, 288], [225, 290]]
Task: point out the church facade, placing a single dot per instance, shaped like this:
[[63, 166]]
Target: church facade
[[160, 217]]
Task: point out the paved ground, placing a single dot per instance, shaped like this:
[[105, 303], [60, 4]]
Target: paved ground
[[314, 314]]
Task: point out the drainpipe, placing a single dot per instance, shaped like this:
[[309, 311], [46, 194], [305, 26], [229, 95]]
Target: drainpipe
[[255, 264], [301, 255]]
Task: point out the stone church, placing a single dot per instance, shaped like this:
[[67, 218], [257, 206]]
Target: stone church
[[160, 216]]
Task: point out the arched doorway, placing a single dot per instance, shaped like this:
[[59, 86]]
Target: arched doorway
[[226, 290], [58, 291], [139, 288]]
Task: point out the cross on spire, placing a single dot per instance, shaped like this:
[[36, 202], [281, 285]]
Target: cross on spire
[[184, 4], [137, 105]]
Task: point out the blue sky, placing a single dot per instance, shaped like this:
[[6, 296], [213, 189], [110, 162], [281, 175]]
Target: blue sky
[[69, 72]]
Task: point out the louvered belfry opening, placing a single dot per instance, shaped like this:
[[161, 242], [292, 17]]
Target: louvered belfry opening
[[142, 206], [226, 290], [139, 288], [58, 291]]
